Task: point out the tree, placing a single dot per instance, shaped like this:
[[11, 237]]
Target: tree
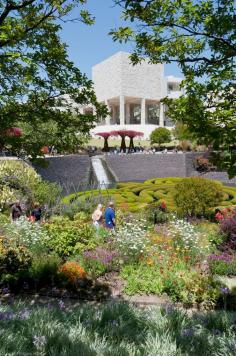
[[160, 135], [41, 89], [201, 38], [132, 134], [106, 136]]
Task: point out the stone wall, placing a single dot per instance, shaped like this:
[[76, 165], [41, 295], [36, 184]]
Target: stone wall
[[141, 167], [72, 172]]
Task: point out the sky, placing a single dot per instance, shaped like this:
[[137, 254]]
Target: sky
[[89, 45]]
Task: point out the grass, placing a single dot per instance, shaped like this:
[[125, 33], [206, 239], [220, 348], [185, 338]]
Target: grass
[[116, 329], [116, 142]]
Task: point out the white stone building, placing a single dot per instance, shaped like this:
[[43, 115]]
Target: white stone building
[[133, 94]]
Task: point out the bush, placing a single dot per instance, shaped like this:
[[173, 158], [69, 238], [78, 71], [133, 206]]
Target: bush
[[14, 258], [222, 264], [67, 237], [99, 261], [156, 215], [26, 233], [131, 240], [44, 269], [72, 271], [195, 196], [228, 228], [176, 280], [19, 181], [160, 135]]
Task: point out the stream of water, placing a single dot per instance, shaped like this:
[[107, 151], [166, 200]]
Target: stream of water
[[100, 172]]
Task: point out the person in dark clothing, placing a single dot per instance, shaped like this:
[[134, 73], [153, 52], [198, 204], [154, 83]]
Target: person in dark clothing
[[36, 213], [16, 211]]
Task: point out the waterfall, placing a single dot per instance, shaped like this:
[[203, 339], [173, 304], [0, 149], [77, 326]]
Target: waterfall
[[100, 172]]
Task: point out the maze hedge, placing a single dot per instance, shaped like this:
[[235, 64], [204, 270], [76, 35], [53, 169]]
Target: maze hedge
[[136, 196]]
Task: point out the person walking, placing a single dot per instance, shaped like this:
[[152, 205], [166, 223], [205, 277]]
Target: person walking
[[97, 216], [110, 216], [16, 211], [36, 213]]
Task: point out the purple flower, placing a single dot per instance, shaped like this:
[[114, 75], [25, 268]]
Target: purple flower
[[187, 332], [24, 314], [39, 341], [169, 309], [5, 290], [61, 305], [225, 257], [8, 315], [224, 290], [216, 332]]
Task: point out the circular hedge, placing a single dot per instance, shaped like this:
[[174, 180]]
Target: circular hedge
[[136, 196]]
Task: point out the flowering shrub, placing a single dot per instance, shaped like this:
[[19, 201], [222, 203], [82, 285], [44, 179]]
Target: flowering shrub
[[186, 237], [100, 260], [195, 196], [13, 257], [226, 213], [180, 283], [222, 264], [19, 181], [27, 233], [228, 229], [67, 237], [72, 271], [131, 240]]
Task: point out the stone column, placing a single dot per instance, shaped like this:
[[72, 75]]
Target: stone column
[[143, 111], [122, 110], [127, 113], [162, 114], [108, 118]]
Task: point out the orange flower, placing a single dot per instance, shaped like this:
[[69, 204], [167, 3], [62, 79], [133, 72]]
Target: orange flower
[[72, 271]]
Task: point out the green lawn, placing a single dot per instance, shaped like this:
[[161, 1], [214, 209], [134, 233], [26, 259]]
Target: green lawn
[[116, 142]]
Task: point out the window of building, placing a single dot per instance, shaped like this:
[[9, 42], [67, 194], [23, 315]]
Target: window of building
[[135, 114], [115, 115], [153, 114], [172, 87]]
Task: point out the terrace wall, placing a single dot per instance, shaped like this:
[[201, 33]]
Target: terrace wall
[[72, 172]]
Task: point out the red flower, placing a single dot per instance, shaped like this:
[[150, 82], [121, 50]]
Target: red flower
[[219, 216]]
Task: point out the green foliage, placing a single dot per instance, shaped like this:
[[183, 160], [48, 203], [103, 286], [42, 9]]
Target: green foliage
[[160, 135], [195, 196], [176, 280], [200, 37], [19, 181], [44, 269], [156, 216], [14, 258], [114, 329], [67, 237], [37, 94], [136, 196], [181, 132], [223, 268]]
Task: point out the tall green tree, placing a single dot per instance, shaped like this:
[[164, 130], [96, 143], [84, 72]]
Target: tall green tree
[[41, 90], [201, 38]]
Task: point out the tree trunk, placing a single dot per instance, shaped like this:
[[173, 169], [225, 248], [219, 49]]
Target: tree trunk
[[123, 145], [106, 147], [131, 144]]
